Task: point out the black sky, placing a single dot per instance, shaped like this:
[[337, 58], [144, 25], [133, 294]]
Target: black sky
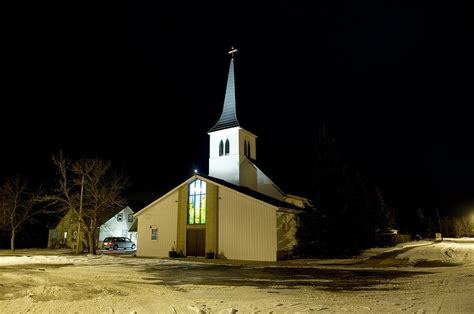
[[392, 80]]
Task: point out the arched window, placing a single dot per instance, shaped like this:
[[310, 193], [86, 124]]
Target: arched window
[[221, 148], [248, 149], [197, 202], [227, 146], [245, 148]]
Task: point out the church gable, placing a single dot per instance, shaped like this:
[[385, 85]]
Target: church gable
[[207, 215]]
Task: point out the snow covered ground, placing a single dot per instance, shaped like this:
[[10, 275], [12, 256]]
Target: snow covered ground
[[417, 277]]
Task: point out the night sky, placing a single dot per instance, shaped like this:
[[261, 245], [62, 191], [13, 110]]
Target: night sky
[[392, 81]]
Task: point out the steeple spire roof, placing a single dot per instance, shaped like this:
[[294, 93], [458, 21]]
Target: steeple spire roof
[[228, 117]]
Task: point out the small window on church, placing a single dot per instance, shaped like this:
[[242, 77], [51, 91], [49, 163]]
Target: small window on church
[[197, 202], [248, 149], [245, 148], [227, 146], [154, 234], [221, 148]]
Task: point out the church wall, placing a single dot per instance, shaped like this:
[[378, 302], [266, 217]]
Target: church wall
[[248, 174], [211, 218], [246, 136], [182, 217], [247, 228], [225, 168], [215, 137], [162, 216]]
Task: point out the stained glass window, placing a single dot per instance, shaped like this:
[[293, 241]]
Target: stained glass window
[[197, 202]]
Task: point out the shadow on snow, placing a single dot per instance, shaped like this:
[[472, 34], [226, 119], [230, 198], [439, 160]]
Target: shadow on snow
[[276, 277]]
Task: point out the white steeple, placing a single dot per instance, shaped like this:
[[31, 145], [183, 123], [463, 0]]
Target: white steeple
[[231, 146]]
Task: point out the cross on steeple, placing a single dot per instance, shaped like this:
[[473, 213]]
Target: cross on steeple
[[232, 51]]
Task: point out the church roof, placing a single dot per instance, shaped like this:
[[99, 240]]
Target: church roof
[[247, 191], [241, 189], [228, 117]]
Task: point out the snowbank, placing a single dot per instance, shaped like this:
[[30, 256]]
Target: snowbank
[[379, 250], [90, 260], [460, 252]]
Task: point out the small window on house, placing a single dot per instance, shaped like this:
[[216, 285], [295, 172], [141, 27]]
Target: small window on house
[[119, 217], [221, 148], [154, 234], [74, 235], [130, 217], [65, 235], [245, 148], [248, 149], [227, 148]]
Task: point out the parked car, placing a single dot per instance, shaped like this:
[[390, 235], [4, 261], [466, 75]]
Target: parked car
[[118, 242]]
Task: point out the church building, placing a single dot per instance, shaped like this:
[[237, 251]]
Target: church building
[[235, 212]]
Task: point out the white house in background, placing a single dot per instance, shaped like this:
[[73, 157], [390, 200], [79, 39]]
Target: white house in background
[[236, 212], [118, 226]]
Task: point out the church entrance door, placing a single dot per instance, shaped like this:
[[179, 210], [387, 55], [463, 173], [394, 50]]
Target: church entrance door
[[196, 242]]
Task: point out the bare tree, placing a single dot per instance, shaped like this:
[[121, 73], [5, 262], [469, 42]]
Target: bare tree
[[91, 190], [17, 206]]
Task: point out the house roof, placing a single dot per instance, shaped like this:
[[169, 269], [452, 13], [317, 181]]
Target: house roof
[[241, 189], [112, 214]]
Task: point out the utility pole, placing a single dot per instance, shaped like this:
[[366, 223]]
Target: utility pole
[[79, 221]]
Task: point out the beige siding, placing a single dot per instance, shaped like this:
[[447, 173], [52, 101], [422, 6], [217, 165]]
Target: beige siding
[[247, 228], [182, 219], [211, 218], [162, 216]]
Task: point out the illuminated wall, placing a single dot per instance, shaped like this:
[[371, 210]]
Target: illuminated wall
[[163, 216], [247, 227], [228, 167]]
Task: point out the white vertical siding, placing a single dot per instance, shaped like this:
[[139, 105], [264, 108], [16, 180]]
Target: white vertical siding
[[164, 217], [232, 134], [247, 227]]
